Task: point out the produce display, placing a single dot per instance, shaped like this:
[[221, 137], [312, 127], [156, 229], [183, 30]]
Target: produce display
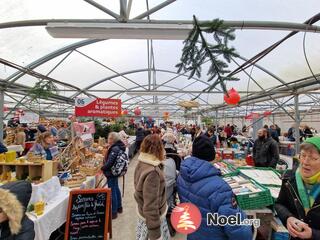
[[78, 161], [8, 177], [75, 180]]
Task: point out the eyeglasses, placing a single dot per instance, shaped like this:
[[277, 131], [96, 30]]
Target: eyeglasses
[[310, 158]]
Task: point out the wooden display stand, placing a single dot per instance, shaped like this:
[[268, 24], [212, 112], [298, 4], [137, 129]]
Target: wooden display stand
[[46, 169]]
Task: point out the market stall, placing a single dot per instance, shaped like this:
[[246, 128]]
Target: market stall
[[256, 190], [53, 201]]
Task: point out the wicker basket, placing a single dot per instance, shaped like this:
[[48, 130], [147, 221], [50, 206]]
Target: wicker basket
[[89, 171]]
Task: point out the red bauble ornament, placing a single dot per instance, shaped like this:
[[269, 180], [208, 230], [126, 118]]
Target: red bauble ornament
[[267, 113], [125, 112], [137, 111], [5, 109], [233, 98]]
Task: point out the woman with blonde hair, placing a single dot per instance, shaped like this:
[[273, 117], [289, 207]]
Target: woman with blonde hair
[[44, 146], [150, 193]]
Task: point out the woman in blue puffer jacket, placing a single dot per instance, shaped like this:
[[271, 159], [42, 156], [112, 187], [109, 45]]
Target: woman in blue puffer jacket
[[200, 183]]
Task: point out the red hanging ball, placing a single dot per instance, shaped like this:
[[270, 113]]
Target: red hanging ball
[[267, 113], [233, 98], [125, 112], [137, 111]]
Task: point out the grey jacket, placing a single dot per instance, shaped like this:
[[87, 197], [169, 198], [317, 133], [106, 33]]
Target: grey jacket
[[170, 175]]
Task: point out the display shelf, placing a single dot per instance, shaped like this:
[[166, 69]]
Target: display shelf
[[44, 170]]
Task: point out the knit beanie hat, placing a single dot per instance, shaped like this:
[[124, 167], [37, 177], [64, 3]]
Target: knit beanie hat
[[315, 141], [203, 148], [42, 128]]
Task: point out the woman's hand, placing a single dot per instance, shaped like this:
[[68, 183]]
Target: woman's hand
[[292, 227], [298, 229], [306, 232]]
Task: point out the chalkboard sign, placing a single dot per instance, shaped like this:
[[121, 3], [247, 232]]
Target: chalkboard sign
[[88, 215]]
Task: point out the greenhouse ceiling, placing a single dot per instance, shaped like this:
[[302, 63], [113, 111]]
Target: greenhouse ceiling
[[82, 62]]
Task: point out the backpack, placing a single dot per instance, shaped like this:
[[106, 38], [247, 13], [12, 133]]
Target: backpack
[[121, 165]]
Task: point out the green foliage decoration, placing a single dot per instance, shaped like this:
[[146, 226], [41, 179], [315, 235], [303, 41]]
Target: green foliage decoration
[[197, 51]]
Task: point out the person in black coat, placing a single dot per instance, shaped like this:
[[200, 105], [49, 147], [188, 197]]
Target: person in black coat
[[140, 135], [298, 204], [265, 150], [210, 134], [115, 147], [307, 133], [3, 148], [171, 150], [278, 129], [14, 224]]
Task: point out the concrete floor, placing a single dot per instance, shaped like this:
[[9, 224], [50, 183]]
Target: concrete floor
[[125, 225]]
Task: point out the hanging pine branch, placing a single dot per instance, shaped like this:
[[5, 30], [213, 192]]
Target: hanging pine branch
[[197, 51], [42, 90]]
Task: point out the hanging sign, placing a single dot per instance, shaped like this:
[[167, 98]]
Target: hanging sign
[[99, 107], [84, 128], [88, 214], [29, 117]]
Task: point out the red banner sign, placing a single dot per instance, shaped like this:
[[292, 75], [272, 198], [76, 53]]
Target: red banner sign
[[99, 107]]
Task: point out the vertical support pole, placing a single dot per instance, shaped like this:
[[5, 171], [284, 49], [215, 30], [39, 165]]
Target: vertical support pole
[[273, 119], [297, 123], [216, 123], [123, 10], [257, 124], [1, 113]]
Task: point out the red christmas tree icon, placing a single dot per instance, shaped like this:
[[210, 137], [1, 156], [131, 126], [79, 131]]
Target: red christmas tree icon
[[186, 218], [185, 221]]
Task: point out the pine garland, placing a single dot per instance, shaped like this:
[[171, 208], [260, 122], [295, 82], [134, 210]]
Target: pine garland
[[42, 89], [197, 51]]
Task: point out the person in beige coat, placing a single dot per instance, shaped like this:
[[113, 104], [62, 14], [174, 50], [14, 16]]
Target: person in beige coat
[[20, 138], [150, 191]]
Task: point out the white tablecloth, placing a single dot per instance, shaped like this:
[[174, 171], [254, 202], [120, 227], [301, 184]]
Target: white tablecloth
[[45, 191], [54, 216]]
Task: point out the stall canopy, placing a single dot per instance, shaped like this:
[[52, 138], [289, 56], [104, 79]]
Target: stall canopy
[[82, 62]]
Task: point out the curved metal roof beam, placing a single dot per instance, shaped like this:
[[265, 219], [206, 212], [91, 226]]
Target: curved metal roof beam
[[133, 88], [130, 72], [44, 22], [15, 76]]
